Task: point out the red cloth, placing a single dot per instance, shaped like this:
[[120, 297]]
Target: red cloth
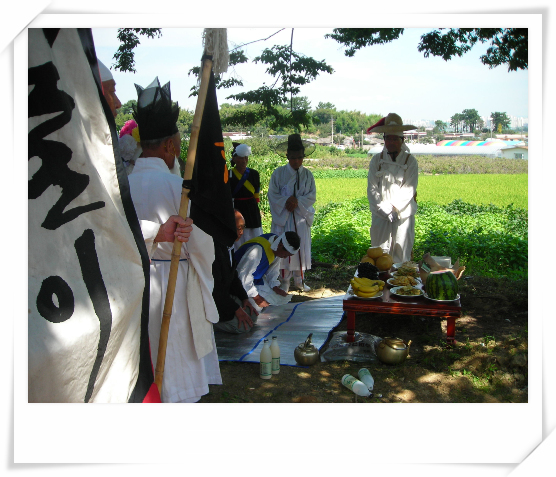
[[152, 395], [380, 123]]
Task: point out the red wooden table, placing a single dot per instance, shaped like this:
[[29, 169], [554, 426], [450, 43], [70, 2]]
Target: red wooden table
[[393, 304]]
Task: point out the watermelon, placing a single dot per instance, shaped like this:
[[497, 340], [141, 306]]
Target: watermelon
[[442, 285]]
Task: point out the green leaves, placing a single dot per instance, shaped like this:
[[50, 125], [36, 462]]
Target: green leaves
[[500, 120], [124, 56], [509, 46], [488, 240], [290, 70], [357, 38]]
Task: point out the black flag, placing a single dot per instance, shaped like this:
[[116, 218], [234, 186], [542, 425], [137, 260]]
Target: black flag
[[211, 199]]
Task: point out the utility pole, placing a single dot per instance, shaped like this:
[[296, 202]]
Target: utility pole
[[332, 122], [491, 126]]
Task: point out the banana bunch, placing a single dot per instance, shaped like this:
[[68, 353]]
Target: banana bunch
[[365, 287]]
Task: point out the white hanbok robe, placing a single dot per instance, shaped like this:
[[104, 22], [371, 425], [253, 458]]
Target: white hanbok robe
[[391, 192], [245, 268], [156, 194], [283, 183]]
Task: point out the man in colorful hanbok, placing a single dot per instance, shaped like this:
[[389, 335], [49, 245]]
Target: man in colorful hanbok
[[259, 267], [245, 184]]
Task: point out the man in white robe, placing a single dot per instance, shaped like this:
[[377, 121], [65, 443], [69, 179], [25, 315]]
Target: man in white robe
[[391, 191], [191, 362], [259, 267], [109, 88], [291, 195]]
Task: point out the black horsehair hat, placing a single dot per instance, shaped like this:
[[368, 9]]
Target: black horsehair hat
[[295, 143], [155, 113]]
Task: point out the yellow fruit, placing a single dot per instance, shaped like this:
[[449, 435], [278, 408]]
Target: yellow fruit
[[366, 258], [384, 263], [374, 252], [373, 289], [365, 295], [364, 281], [367, 282]]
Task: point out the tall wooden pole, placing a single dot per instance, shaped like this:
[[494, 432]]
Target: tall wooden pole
[[184, 203], [295, 227]]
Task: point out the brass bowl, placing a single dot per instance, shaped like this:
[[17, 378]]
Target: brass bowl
[[306, 354], [392, 350]]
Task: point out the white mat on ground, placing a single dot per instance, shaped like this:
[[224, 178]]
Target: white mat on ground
[[291, 323]]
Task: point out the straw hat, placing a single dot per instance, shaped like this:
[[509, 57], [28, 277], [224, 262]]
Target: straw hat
[[295, 143], [391, 124]]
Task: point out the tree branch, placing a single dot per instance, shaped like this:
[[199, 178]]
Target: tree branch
[[255, 41]]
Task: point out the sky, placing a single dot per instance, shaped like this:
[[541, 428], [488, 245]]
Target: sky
[[378, 79]]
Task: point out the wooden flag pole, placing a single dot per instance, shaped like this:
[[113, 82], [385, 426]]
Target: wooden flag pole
[[299, 251], [295, 227], [184, 203]]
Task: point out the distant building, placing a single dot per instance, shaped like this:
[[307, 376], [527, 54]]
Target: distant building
[[236, 136], [510, 137], [519, 151], [488, 149], [458, 135], [324, 141], [413, 135]]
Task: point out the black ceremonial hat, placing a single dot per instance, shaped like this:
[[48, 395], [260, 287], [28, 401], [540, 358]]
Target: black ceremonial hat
[[155, 114], [295, 143]]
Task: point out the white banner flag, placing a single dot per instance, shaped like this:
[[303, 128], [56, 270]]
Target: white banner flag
[[88, 303]]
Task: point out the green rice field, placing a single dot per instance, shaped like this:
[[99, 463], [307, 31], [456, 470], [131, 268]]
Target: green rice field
[[481, 189]]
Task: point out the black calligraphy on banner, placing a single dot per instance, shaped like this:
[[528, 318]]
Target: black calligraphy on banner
[[90, 268], [46, 98], [50, 286]]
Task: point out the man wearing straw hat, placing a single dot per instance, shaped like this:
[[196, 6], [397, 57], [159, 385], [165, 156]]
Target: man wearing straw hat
[[191, 362], [291, 194], [391, 190]]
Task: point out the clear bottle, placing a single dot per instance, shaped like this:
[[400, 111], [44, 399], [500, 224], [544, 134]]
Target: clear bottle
[[275, 351], [266, 361], [368, 380], [355, 385]]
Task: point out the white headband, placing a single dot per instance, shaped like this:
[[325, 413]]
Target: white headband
[[243, 150], [282, 238], [105, 74]]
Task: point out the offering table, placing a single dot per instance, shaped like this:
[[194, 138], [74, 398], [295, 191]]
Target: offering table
[[389, 303]]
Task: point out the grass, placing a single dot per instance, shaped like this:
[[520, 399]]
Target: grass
[[497, 189], [472, 208]]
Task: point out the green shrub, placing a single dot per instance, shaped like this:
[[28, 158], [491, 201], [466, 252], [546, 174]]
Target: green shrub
[[488, 240]]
